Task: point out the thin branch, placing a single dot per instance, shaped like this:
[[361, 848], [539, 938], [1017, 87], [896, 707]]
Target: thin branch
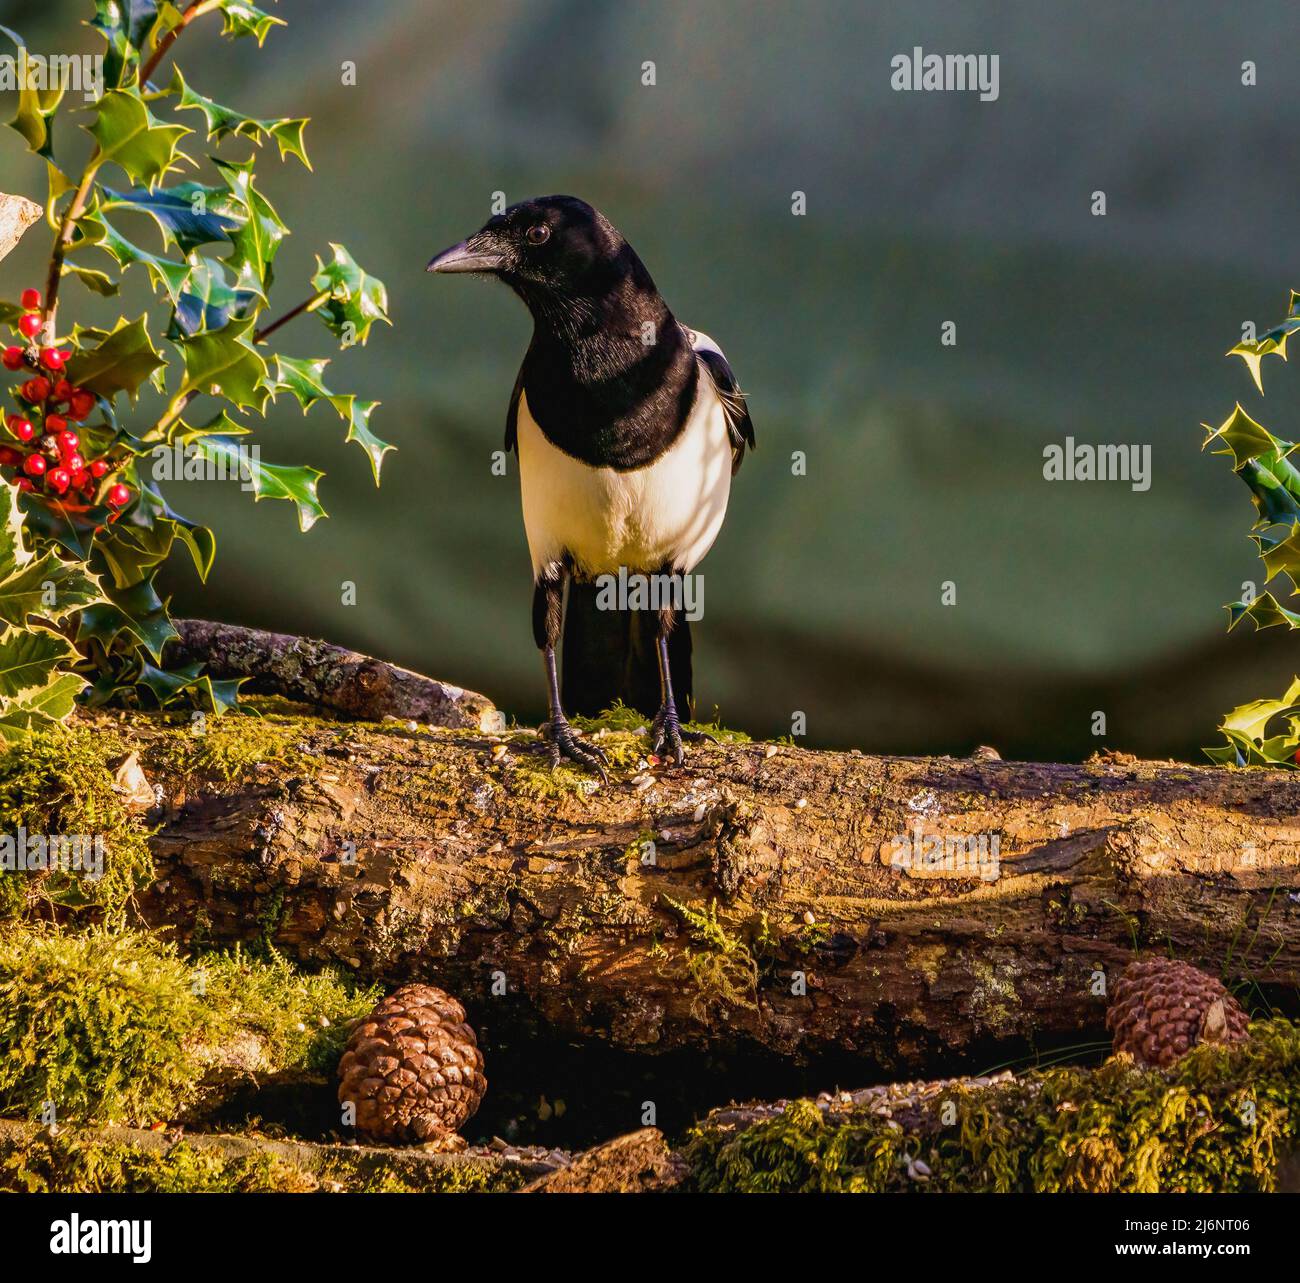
[[196, 9], [305, 306]]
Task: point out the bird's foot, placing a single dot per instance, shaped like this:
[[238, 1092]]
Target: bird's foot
[[666, 733], [562, 743]]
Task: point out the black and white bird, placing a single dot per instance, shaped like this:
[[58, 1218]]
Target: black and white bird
[[628, 427]]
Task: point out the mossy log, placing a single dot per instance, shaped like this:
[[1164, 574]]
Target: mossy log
[[752, 900], [327, 676]]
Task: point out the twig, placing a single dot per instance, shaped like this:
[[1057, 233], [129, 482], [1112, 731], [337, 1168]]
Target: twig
[[305, 306]]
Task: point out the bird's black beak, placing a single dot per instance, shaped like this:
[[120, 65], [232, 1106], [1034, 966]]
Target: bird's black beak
[[466, 257]]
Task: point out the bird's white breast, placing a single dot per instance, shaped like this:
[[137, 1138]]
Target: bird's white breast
[[665, 514]]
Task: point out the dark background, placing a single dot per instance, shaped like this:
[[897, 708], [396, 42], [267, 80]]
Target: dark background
[[924, 461]]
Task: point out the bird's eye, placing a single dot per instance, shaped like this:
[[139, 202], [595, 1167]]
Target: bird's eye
[[538, 235]]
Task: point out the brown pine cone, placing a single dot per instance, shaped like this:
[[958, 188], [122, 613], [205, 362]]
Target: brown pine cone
[[1161, 1009], [412, 1068]]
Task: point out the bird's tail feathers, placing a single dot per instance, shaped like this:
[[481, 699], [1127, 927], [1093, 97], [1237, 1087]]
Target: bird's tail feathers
[[609, 656]]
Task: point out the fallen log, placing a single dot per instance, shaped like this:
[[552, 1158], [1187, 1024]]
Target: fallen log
[[763, 897]]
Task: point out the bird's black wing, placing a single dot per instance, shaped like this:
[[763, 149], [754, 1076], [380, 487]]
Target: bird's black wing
[[512, 414], [739, 424]]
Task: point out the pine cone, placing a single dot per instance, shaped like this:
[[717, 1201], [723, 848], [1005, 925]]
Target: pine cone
[[1161, 1009], [412, 1068]]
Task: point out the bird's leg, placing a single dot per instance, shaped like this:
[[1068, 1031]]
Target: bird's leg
[[560, 740], [666, 730]]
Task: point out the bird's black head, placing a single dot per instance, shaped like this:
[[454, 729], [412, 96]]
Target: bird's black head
[[551, 251]]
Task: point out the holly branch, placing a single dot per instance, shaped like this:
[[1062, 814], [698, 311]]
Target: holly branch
[[75, 461]]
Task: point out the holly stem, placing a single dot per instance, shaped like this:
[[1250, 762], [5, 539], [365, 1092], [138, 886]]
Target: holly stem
[[62, 239], [196, 9], [173, 412], [305, 306]]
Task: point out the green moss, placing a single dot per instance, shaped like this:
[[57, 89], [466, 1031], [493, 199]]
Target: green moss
[[447, 1178], [79, 1162], [114, 1026], [75, 1164], [102, 1025], [59, 783], [532, 775], [301, 1021], [722, 968], [1217, 1121], [618, 718], [229, 747]]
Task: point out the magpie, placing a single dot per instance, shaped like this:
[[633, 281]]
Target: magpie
[[628, 428]]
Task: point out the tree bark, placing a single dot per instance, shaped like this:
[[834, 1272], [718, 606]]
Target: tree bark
[[770, 911], [17, 214]]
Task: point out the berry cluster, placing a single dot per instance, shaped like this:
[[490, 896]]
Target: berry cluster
[[48, 456]]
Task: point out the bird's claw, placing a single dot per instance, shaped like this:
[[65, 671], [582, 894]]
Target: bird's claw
[[666, 733], [561, 743]]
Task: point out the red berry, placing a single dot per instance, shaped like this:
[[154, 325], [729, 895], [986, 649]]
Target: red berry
[[119, 496], [31, 300], [99, 469], [13, 358], [80, 478], [29, 326], [34, 465], [74, 462], [23, 483], [52, 359], [36, 389], [82, 404], [9, 457], [21, 428], [58, 480], [62, 391]]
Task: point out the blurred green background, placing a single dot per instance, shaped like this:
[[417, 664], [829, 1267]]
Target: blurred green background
[[924, 462]]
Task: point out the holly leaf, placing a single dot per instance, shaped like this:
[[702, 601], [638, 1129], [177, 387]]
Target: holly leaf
[[303, 379], [182, 212], [120, 363], [128, 27], [1263, 612], [1244, 438], [50, 703], [154, 512], [29, 660], [137, 610], [257, 239], [37, 101], [92, 278], [354, 301], [1281, 554], [130, 137], [225, 360], [1272, 343], [1251, 720], [242, 19], [47, 586], [1274, 486], [209, 300], [93, 230], [223, 122], [269, 480]]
